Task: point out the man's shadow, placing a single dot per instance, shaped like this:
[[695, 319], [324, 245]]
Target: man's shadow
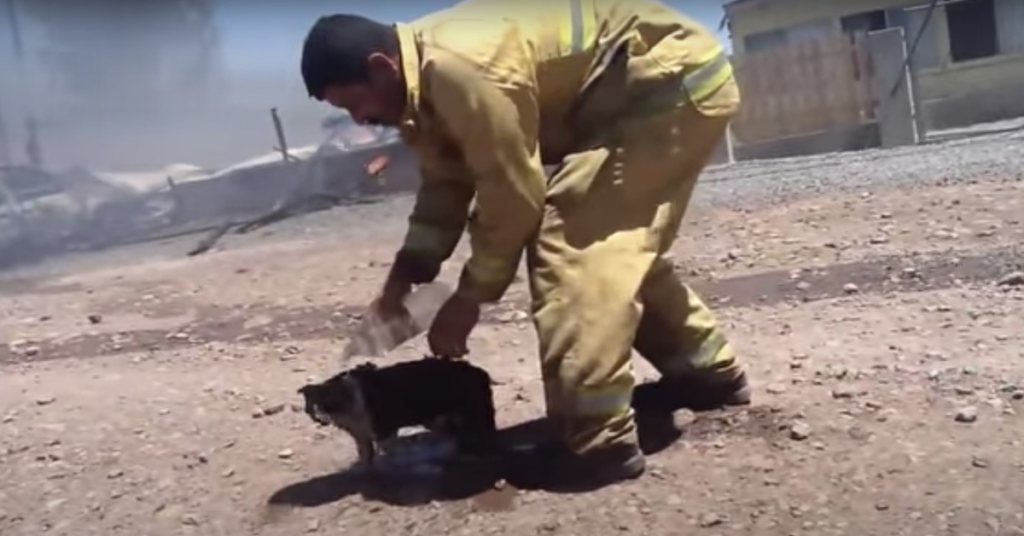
[[460, 480]]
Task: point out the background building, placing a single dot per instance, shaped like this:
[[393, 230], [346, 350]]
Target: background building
[[968, 64]]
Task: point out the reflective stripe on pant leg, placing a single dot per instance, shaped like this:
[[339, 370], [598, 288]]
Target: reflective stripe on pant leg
[[714, 353], [603, 402]]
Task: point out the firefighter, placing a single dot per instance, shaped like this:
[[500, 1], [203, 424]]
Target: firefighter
[[628, 99]]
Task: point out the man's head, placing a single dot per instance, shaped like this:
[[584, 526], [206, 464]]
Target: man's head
[[354, 64]]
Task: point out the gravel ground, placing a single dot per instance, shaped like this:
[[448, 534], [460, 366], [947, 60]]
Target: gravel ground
[[146, 392], [997, 155], [989, 151]]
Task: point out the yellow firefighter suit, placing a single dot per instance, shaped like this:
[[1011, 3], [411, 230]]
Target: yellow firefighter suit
[[629, 99]]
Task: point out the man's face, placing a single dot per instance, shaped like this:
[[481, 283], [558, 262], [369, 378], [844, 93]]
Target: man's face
[[381, 101]]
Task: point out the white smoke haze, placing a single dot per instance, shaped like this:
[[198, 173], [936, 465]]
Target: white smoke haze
[[126, 85]]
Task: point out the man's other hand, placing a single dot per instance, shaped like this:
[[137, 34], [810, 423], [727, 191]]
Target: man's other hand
[[452, 325], [391, 303]]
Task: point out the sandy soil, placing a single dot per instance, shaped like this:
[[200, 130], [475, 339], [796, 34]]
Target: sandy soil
[[143, 392]]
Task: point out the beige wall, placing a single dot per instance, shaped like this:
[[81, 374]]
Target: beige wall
[[953, 93], [755, 16]]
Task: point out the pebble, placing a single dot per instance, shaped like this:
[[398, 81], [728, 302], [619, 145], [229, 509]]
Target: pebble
[[851, 288], [45, 400], [968, 414], [95, 319], [980, 463], [286, 454], [273, 410], [313, 525], [708, 520], [1015, 279], [775, 389], [799, 431], [841, 393]]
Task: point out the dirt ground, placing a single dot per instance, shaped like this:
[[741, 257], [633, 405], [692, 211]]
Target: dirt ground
[[143, 392]]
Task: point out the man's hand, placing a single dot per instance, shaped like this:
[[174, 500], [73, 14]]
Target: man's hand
[[391, 303], [452, 325]]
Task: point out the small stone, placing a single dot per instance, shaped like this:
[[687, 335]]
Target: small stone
[[31, 351], [286, 454], [190, 520], [273, 410], [881, 506], [963, 391], [803, 285], [313, 525], [228, 473], [1015, 279], [851, 288], [880, 239], [95, 319], [796, 365], [708, 520], [1017, 395], [843, 393], [979, 462], [775, 389], [116, 473], [968, 414], [799, 431], [45, 400]]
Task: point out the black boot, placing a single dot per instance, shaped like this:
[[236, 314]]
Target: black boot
[[554, 468], [697, 393]]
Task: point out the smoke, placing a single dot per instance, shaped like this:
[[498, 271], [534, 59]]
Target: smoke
[[124, 85]]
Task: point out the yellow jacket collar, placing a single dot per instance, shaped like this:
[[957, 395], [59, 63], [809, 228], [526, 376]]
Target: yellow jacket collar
[[410, 58]]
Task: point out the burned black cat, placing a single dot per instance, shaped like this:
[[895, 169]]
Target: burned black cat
[[371, 403]]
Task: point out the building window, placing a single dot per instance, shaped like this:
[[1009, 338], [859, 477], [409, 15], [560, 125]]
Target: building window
[[801, 33], [870, 21], [972, 30], [762, 41], [1010, 26]]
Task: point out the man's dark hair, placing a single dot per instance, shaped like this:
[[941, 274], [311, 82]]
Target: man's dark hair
[[337, 49]]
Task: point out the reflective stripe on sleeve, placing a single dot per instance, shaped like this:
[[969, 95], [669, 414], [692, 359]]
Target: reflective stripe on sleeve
[[577, 31], [488, 270], [428, 238]]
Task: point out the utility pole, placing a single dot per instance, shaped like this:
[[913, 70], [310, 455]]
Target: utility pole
[[9, 197], [5, 150], [32, 145]]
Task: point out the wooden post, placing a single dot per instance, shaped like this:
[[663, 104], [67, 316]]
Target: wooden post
[[5, 148], [730, 155], [282, 144]]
